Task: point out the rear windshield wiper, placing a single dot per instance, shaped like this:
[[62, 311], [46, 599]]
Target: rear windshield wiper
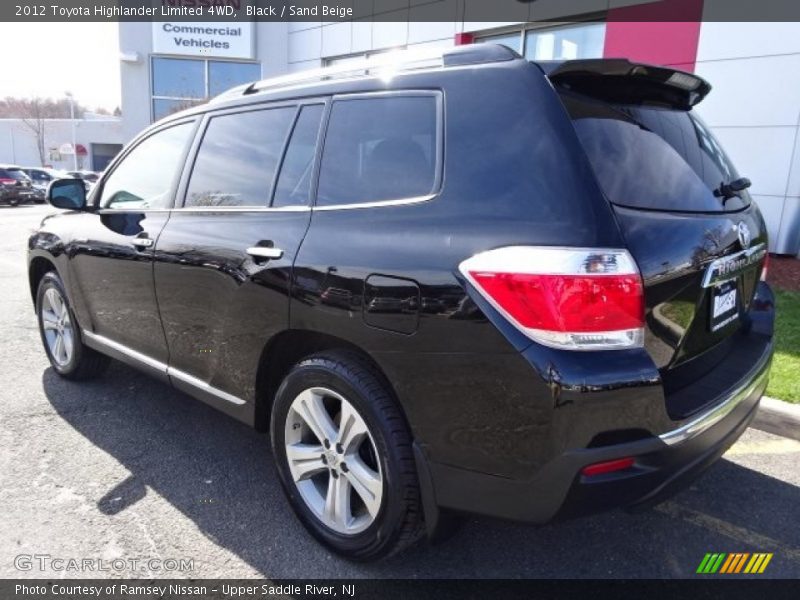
[[726, 191]]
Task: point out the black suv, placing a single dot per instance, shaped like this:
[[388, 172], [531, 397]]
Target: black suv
[[470, 284], [15, 186]]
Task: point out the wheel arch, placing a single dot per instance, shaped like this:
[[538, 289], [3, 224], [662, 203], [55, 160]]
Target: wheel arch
[[289, 347], [38, 267]]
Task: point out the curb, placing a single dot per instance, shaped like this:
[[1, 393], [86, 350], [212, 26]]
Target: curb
[[778, 417]]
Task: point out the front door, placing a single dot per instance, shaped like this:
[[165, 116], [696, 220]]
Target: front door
[[113, 252]]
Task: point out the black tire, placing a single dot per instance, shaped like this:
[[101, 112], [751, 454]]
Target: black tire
[[13, 202], [84, 363], [399, 522]]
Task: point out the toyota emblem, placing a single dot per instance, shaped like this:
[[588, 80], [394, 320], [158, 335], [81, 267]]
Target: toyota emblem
[[743, 231]]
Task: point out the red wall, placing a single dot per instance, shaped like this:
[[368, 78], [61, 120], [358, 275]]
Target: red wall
[[634, 32]]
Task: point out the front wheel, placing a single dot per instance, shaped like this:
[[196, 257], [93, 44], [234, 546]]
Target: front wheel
[[61, 337], [344, 456]]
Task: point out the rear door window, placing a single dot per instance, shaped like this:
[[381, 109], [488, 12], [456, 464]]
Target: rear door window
[[653, 158], [238, 158], [294, 181], [380, 148]]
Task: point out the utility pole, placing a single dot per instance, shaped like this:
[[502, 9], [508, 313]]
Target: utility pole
[[74, 140]]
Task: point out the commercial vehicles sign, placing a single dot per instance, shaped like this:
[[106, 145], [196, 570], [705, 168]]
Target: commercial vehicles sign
[[225, 40]]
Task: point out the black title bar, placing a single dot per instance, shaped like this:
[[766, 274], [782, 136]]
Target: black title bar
[[407, 10]]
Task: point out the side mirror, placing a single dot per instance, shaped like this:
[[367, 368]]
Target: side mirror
[[67, 193]]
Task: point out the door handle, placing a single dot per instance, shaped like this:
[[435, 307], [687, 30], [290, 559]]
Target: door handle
[[264, 252], [142, 242]]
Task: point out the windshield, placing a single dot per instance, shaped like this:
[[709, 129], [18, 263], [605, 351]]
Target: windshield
[[654, 158]]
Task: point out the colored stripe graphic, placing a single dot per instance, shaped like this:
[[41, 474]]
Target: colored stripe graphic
[[724, 563], [730, 563], [758, 563], [741, 562], [711, 562]]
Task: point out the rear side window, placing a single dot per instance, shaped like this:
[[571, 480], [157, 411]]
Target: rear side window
[[238, 158], [379, 148], [653, 158], [14, 174], [294, 182]]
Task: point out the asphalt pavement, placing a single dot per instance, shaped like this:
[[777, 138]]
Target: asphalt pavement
[[125, 467]]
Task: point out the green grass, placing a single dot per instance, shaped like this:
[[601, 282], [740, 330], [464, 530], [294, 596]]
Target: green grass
[[784, 381]]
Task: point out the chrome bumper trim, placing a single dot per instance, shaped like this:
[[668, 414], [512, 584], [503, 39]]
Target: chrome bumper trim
[[708, 419]]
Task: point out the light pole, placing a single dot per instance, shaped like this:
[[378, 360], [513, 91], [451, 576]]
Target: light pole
[[74, 141]]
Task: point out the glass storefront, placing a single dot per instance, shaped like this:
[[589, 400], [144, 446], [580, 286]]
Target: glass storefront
[[568, 42], [179, 83]]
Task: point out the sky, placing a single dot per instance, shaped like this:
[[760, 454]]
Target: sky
[[47, 59]]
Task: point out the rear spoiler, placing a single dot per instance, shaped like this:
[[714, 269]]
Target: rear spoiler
[[621, 81]]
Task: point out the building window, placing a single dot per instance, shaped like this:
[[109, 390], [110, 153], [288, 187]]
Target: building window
[[568, 42], [180, 83], [584, 40], [513, 40]]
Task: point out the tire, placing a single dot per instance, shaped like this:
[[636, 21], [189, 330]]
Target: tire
[[13, 202], [73, 360], [342, 383]]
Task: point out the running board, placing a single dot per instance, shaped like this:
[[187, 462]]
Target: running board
[[227, 403]]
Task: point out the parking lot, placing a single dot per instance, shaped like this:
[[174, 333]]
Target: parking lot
[[125, 467]]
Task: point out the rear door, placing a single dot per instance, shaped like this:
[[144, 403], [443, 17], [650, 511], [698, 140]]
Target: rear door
[[224, 260], [700, 252]]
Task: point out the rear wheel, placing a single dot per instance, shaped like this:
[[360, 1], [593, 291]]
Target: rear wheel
[[61, 337], [344, 455]]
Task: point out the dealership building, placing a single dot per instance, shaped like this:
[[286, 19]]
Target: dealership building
[[754, 68]]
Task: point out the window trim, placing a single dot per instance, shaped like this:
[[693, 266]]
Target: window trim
[[438, 178], [194, 147], [97, 191]]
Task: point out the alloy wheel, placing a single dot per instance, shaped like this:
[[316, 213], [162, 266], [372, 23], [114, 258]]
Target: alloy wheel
[[57, 326], [333, 460]]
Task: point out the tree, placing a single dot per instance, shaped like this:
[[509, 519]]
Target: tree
[[32, 113]]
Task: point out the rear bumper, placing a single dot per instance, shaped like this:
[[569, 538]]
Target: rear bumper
[[663, 465]]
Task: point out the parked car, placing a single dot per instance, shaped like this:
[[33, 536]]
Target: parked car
[[568, 271], [88, 177], [15, 186], [40, 179]]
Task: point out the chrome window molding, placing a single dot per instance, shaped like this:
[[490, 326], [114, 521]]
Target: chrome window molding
[[161, 367], [209, 209], [377, 203]]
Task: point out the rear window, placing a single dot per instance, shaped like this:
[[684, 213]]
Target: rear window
[[651, 157], [381, 148], [13, 174]]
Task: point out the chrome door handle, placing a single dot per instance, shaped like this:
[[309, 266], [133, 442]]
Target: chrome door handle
[[264, 252], [142, 242]]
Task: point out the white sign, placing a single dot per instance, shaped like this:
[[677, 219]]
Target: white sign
[[225, 40], [65, 149]]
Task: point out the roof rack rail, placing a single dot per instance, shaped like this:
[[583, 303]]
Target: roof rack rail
[[383, 64]]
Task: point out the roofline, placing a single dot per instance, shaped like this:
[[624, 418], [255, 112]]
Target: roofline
[[381, 65]]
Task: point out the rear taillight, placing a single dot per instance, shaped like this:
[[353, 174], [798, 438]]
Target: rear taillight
[[572, 298], [5, 181], [765, 267]]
